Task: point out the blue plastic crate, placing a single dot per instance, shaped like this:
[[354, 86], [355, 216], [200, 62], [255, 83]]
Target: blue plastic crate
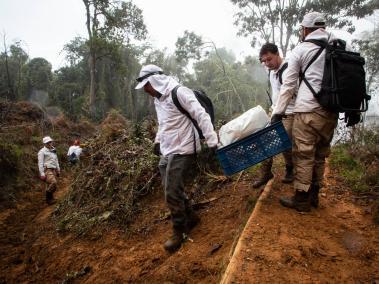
[[254, 148]]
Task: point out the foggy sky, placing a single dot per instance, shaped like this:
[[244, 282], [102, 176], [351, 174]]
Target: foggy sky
[[44, 26]]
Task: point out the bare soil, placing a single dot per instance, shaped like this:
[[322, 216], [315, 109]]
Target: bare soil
[[35, 252], [336, 243]]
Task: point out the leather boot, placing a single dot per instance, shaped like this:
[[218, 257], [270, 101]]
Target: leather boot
[[49, 198], [313, 195], [288, 178], [265, 173], [263, 179], [192, 220], [300, 201], [174, 242]]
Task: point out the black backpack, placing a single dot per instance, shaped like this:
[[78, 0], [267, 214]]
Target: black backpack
[[343, 87], [73, 158], [205, 102]]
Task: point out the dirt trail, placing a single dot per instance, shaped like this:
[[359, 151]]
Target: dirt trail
[[19, 225], [42, 255], [336, 243]]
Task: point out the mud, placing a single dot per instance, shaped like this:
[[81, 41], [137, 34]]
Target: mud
[[338, 243]]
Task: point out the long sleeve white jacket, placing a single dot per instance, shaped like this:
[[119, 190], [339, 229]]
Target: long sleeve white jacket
[[75, 149], [47, 159], [300, 57], [176, 133], [275, 88]]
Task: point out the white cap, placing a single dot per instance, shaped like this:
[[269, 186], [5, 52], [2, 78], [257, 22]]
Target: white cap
[[313, 20], [145, 73], [46, 139]]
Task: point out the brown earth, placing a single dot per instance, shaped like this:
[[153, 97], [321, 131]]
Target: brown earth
[[336, 243], [35, 252]]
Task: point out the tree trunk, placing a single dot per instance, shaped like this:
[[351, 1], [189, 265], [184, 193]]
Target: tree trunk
[[91, 60], [92, 86], [10, 94]]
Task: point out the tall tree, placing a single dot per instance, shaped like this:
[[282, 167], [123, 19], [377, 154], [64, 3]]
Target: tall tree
[[12, 62], [190, 45], [109, 24], [368, 46], [10, 91], [39, 73], [278, 20], [248, 79]]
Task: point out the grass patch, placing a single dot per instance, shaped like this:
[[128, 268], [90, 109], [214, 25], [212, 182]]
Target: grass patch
[[350, 168], [358, 166]]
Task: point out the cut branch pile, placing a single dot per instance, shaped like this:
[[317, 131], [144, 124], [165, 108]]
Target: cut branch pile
[[119, 168]]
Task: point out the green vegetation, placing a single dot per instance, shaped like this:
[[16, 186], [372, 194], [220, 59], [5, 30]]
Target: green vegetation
[[349, 167], [358, 165]]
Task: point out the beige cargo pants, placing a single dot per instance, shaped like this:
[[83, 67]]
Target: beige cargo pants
[[51, 180], [312, 134]]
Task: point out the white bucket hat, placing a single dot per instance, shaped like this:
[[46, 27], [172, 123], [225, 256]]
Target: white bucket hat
[[46, 139], [313, 20], [145, 73]]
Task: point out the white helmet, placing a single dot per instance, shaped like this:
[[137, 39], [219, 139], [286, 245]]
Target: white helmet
[[46, 139]]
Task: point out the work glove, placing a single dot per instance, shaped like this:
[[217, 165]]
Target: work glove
[[43, 178], [212, 151], [209, 153], [276, 118], [352, 118], [157, 149]]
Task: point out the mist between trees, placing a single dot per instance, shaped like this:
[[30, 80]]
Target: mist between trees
[[101, 69]]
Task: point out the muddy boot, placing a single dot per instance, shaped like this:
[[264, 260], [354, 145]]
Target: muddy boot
[[313, 195], [49, 198], [263, 179], [192, 220], [300, 201], [288, 178], [174, 242]]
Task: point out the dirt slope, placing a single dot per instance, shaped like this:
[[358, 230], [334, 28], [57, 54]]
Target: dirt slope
[[336, 244], [37, 253]]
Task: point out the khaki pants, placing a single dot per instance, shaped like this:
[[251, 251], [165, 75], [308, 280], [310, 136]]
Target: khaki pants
[[312, 134], [51, 180], [267, 164]]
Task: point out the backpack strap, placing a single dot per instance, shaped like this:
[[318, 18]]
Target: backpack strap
[[280, 72], [174, 95], [322, 44], [268, 87]]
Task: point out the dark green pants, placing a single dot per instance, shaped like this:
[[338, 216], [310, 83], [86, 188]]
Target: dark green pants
[[175, 171]]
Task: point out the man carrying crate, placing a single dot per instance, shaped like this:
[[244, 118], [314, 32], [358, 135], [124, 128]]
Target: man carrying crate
[[177, 142], [313, 126], [270, 57]]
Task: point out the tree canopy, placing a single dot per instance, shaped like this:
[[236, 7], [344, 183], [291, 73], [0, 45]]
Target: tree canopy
[[278, 21]]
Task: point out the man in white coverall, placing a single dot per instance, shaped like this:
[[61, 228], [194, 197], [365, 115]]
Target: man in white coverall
[[176, 142], [74, 152], [313, 126], [48, 167], [270, 57]]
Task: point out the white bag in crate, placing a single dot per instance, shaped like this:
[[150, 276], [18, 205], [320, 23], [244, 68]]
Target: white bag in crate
[[247, 123]]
